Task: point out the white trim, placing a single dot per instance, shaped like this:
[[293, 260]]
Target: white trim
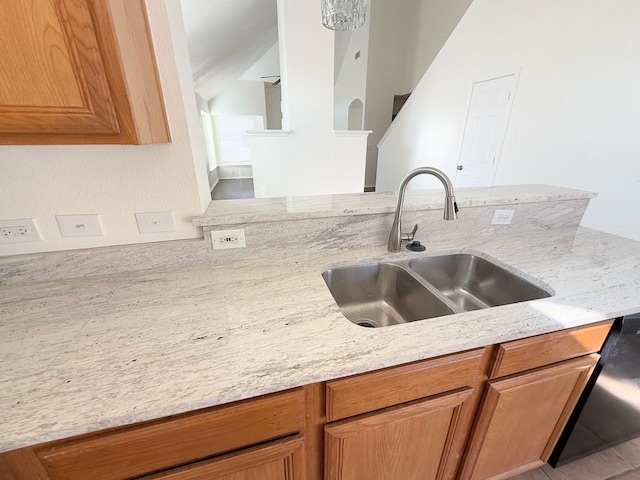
[[213, 174], [242, 171], [352, 133], [269, 133]]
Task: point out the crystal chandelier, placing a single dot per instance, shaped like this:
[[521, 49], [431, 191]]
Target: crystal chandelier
[[343, 14]]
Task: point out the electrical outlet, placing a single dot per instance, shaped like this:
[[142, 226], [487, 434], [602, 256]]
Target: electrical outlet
[[502, 217], [19, 231], [155, 222], [79, 225], [222, 239]]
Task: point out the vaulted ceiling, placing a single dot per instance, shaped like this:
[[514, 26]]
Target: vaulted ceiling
[[225, 38]]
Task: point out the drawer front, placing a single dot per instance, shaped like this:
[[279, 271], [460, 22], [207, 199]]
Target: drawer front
[[168, 443], [363, 393], [278, 460], [534, 352]]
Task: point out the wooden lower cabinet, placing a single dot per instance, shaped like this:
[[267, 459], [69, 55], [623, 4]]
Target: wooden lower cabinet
[[484, 414], [279, 460], [241, 440], [521, 418], [408, 442]]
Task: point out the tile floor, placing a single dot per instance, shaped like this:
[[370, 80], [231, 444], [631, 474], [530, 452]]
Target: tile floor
[[621, 462]]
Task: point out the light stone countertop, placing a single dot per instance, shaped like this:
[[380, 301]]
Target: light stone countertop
[[323, 206], [86, 353]]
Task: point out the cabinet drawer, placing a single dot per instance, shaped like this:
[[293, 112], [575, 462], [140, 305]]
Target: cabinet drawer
[[167, 443], [383, 388], [278, 460], [534, 352]]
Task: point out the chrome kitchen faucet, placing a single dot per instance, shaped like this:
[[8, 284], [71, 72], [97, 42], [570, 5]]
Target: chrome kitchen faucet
[[396, 237]]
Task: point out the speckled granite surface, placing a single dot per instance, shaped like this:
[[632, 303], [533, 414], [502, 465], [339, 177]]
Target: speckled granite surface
[[293, 208], [269, 229], [94, 351]]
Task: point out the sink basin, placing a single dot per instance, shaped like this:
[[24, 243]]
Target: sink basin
[[472, 282], [382, 294], [391, 293]]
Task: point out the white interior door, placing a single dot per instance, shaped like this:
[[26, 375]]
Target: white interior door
[[484, 131]]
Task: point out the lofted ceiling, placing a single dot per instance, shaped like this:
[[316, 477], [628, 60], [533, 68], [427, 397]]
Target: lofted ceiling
[[226, 38]]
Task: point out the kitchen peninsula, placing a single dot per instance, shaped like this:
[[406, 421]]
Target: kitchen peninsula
[[102, 338]]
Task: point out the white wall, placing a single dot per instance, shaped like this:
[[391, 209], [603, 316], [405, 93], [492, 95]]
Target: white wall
[[116, 181], [202, 103], [242, 97], [351, 74], [387, 44], [267, 66], [574, 118], [306, 61], [430, 24], [405, 37], [312, 160], [308, 163]]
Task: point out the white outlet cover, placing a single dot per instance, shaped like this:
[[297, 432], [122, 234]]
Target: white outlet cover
[[79, 225], [502, 217], [155, 222], [20, 230], [218, 239]]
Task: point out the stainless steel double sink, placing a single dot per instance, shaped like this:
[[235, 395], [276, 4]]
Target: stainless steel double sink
[[391, 293]]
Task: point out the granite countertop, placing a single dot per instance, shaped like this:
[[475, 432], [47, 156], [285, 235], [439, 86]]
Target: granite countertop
[[290, 208], [85, 353]]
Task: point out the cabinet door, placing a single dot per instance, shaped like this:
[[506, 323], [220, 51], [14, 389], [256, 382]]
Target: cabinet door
[[408, 442], [279, 460], [53, 79], [521, 418], [78, 72]]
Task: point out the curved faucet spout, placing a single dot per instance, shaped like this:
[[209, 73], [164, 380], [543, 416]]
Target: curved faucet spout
[[396, 237]]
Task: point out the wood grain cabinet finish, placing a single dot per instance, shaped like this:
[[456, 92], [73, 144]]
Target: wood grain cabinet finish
[[167, 443], [521, 418], [440, 418], [371, 391], [279, 460], [78, 72], [423, 414], [409, 442], [541, 350]]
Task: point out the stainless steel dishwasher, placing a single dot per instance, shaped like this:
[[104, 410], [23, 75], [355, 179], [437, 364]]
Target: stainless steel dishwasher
[[608, 412]]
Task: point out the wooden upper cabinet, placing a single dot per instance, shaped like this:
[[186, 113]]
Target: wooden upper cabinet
[[78, 72]]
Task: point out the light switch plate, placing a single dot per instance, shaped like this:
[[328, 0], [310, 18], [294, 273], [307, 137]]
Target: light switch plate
[[155, 222], [20, 230], [79, 225]]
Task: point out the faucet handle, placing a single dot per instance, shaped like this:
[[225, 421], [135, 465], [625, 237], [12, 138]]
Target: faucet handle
[[408, 237]]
